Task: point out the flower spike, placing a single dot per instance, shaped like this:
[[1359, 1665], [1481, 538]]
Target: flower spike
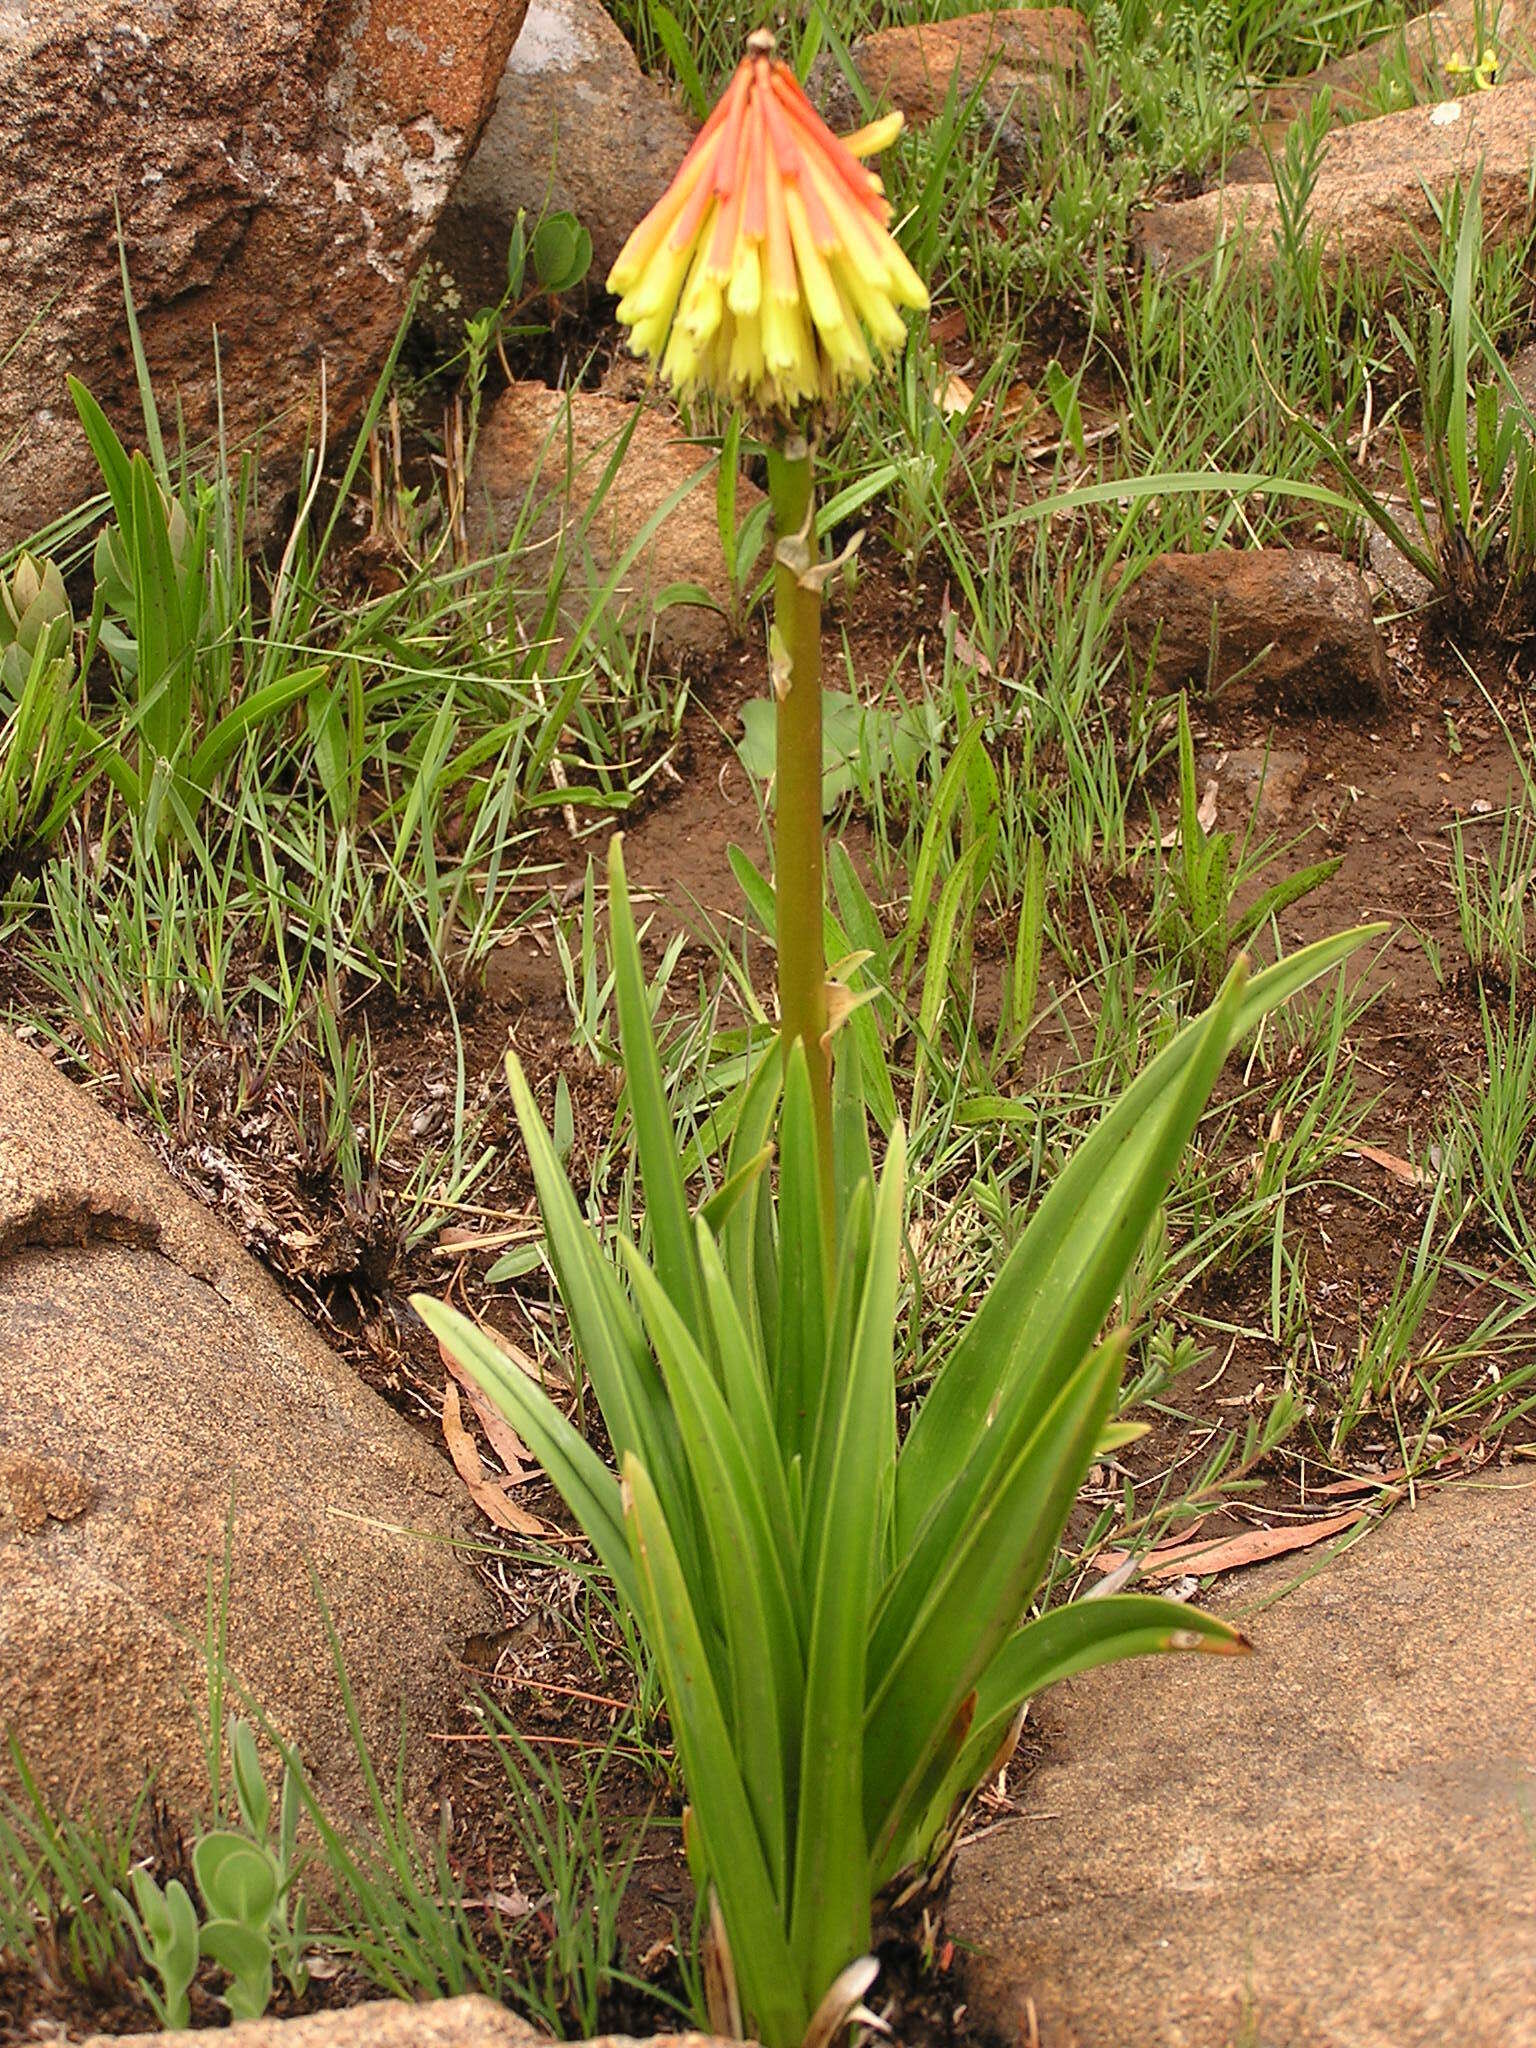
[[766, 272]]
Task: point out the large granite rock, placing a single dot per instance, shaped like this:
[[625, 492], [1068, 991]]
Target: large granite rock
[[1328, 1845], [1377, 189], [540, 463], [152, 1383], [577, 127], [279, 166]]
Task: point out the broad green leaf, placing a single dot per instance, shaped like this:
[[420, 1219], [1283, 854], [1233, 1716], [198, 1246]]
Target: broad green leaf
[[238, 1881], [246, 1954]]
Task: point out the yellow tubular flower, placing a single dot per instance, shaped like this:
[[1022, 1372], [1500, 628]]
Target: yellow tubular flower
[[766, 272]]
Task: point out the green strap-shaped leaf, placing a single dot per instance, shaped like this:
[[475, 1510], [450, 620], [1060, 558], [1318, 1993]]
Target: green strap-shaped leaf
[[853, 1164], [250, 712], [802, 1265], [721, 1810], [855, 1226], [666, 1199], [977, 1592], [1019, 1314], [757, 1619], [830, 1923], [584, 1482], [1036, 1359], [607, 1331], [163, 681], [717, 1211], [743, 1377], [746, 1233], [1053, 1646], [111, 456]]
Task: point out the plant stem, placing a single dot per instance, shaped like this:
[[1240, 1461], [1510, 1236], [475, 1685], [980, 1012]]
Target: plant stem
[[797, 785]]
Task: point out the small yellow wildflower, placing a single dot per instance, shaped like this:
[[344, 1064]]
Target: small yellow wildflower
[[766, 271], [1484, 73]]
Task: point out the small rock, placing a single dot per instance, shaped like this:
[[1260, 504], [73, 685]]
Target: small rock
[[1261, 783], [154, 1383], [1377, 188], [1326, 1845], [472, 2022], [1292, 628], [1020, 56], [556, 446], [1408, 586], [279, 169], [40, 1491], [577, 127]]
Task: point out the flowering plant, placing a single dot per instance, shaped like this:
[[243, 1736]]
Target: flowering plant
[[841, 1617]]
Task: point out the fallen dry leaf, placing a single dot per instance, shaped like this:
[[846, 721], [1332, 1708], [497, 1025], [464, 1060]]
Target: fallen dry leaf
[[948, 327], [1230, 1554], [520, 1358], [486, 1495], [955, 395], [1401, 1169], [1205, 815], [454, 1239], [1018, 399], [499, 1433]]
